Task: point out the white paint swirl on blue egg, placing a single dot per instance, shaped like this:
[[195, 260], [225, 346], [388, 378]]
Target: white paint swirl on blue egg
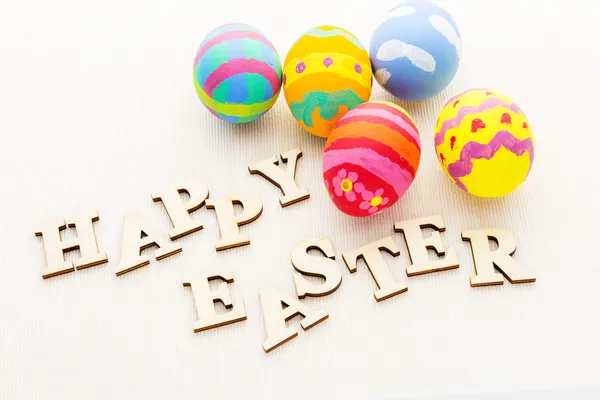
[[415, 52]]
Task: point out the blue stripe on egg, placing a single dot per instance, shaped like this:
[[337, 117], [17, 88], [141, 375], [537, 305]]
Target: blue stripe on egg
[[236, 48], [268, 91], [238, 91]]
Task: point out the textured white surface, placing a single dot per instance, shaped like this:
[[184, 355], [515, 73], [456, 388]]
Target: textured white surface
[[97, 109]]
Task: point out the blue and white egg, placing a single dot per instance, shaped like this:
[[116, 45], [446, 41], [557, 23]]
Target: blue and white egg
[[415, 52]]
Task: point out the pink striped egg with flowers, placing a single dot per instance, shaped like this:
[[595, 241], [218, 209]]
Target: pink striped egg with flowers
[[371, 158]]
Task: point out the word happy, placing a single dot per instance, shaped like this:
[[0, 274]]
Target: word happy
[[277, 306]]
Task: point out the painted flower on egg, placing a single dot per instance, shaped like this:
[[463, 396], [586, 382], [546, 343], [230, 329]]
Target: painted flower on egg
[[344, 184], [372, 201]]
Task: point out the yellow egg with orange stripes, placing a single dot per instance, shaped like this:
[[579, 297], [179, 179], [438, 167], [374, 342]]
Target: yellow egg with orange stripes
[[484, 143], [326, 73]]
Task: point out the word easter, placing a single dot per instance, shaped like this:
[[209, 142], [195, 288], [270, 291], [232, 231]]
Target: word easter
[[277, 306]]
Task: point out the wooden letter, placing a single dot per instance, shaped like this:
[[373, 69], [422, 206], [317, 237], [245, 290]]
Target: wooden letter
[[272, 301], [85, 242], [371, 254], [484, 259], [322, 267], [137, 236], [178, 211], [285, 181], [418, 246], [229, 223], [205, 300]]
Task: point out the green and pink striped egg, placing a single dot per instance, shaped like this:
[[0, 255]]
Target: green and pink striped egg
[[237, 73]]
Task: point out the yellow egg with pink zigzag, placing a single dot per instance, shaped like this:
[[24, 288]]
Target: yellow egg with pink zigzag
[[484, 143]]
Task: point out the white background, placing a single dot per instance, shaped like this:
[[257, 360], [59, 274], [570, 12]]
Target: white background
[[98, 109]]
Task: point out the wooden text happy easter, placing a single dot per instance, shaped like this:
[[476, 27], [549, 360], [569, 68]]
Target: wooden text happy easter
[[277, 306]]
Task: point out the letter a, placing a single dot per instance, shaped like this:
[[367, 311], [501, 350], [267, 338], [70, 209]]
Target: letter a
[[134, 241], [272, 301]]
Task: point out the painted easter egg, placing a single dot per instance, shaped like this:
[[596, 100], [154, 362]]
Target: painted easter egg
[[237, 73], [484, 143], [371, 158], [326, 73], [415, 52]]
